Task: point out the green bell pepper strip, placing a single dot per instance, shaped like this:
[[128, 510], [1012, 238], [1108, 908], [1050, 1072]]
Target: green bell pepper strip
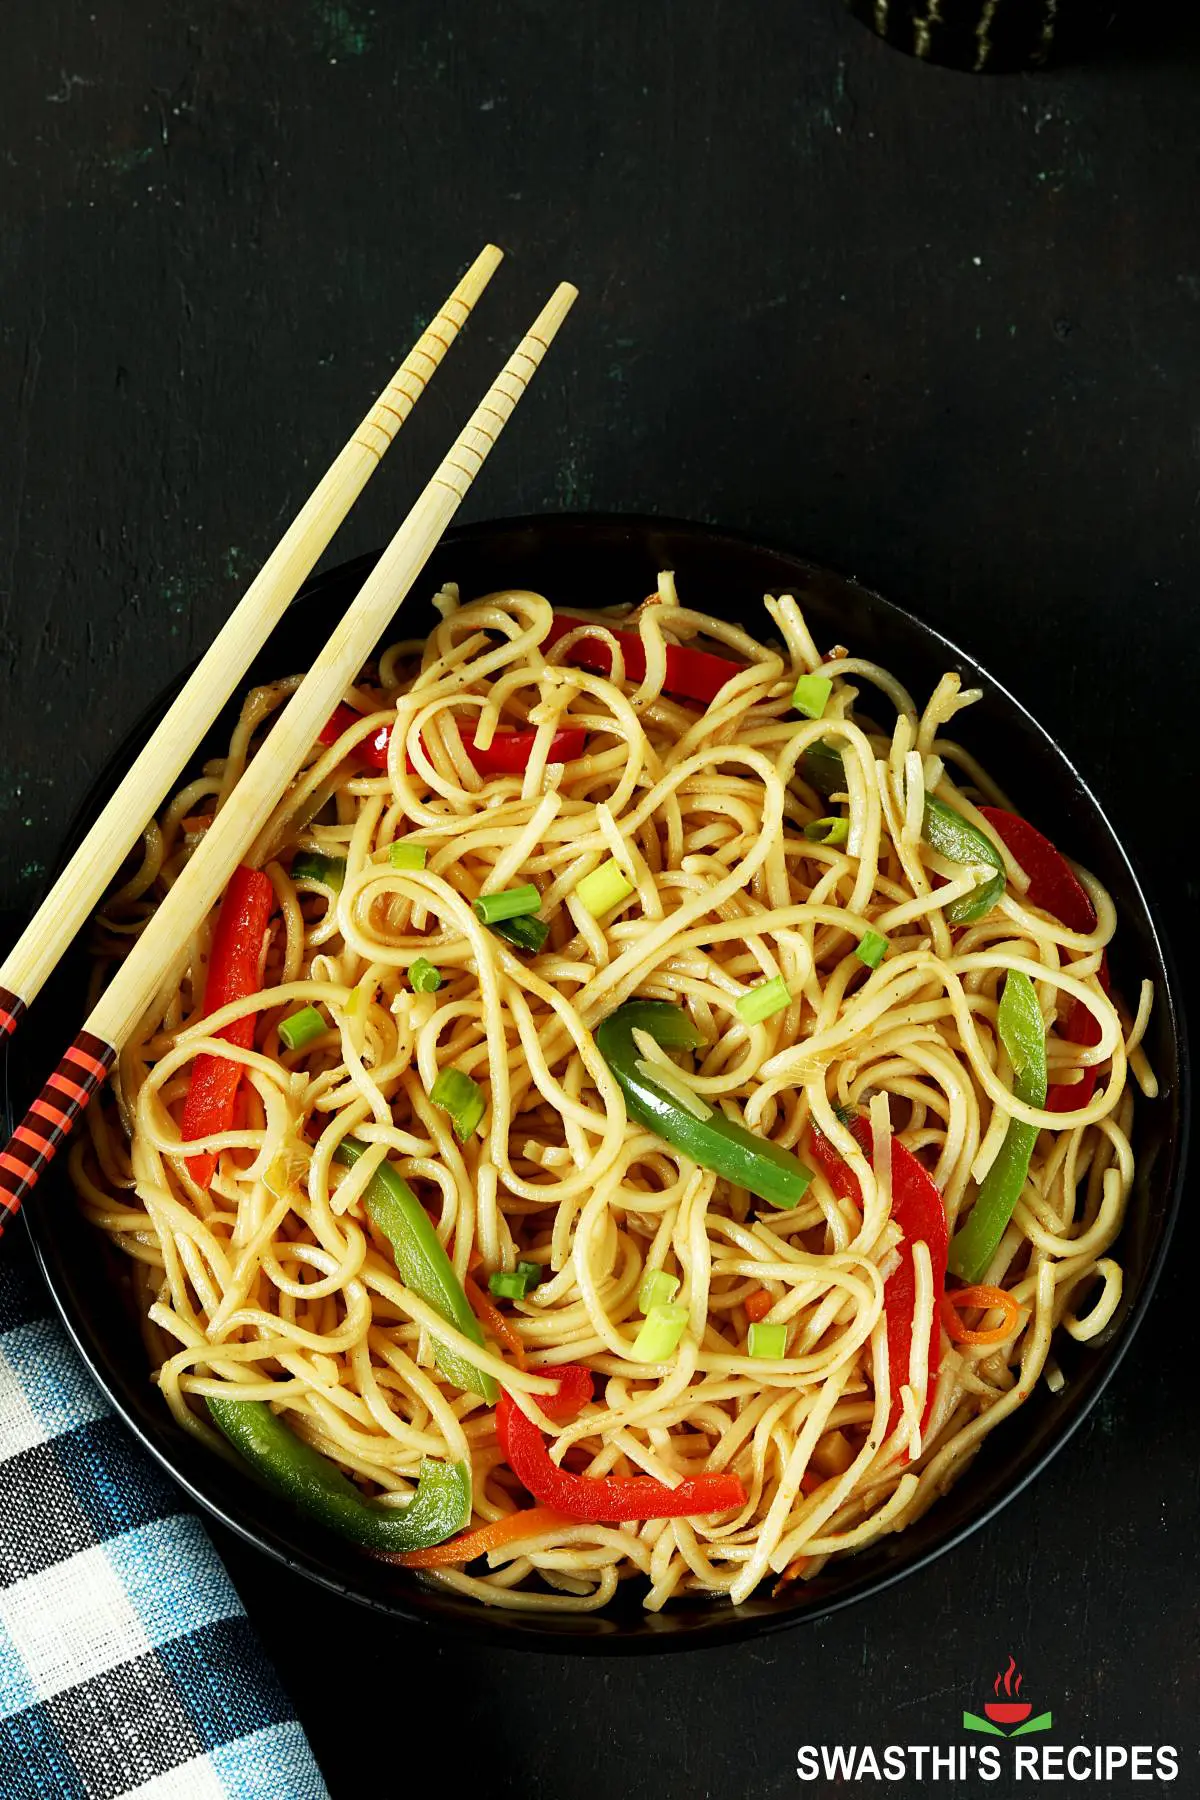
[[944, 830], [824, 769], [1019, 1021], [422, 1264], [716, 1143], [440, 1507], [947, 832]]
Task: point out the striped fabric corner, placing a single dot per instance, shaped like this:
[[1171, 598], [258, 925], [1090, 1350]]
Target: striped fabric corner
[[51, 1118], [11, 1008], [128, 1669]]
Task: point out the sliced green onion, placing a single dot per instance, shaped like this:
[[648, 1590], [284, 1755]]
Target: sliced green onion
[[533, 1270], [872, 948], [604, 888], [403, 855], [524, 933], [660, 1335], [657, 1288], [827, 831], [456, 1093], [423, 978], [510, 1284], [761, 1001], [811, 695], [326, 871], [510, 903], [301, 1028], [767, 1341]]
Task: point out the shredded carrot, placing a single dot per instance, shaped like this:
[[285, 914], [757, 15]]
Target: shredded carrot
[[196, 822], [758, 1305], [493, 1320], [811, 1480], [794, 1569], [987, 1299], [530, 1523]]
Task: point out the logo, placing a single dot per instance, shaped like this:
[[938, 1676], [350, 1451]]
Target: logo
[[970, 1767], [1012, 1711]]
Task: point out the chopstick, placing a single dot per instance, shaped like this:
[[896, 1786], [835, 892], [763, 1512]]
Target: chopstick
[[74, 895], [159, 951]]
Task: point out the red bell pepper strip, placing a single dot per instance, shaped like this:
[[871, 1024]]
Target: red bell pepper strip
[[574, 1392], [691, 674], [918, 1210], [372, 750], [509, 751], [600, 1499], [1082, 1027], [1054, 887], [1053, 884], [233, 972], [507, 754]]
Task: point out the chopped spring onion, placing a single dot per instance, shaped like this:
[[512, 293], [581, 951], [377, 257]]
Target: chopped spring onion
[[671, 1082], [514, 1284], [657, 1288], [761, 1001], [767, 1341], [301, 1028], [872, 948], [510, 903], [326, 871], [660, 1335], [403, 855], [827, 831], [525, 933], [456, 1093], [604, 888], [423, 978], [811, 695]]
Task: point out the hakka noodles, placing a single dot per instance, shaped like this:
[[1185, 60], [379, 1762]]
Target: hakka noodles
[[632, 1114]]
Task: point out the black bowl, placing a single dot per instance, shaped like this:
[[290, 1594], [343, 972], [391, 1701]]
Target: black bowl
[[597, 561]]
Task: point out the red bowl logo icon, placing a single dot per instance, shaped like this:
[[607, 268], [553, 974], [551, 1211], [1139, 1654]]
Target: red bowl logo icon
[[1008, 1712], [1012, 1710]]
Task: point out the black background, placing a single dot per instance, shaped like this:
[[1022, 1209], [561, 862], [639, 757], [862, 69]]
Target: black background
[[938, 331]]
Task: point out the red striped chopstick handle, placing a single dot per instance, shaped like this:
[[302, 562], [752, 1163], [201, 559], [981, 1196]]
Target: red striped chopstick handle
[[51, 1119], [11, 1008]]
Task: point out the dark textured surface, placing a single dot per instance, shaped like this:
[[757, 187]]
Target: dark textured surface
[[940, 332]]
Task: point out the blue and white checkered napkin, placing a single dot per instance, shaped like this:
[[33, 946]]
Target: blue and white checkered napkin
[[127, 1665]]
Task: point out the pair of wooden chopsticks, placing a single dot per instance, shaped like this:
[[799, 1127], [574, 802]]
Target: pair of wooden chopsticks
[[156, 953]]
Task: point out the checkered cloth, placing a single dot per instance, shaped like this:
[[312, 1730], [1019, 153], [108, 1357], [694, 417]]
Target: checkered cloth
[[127, 1665]]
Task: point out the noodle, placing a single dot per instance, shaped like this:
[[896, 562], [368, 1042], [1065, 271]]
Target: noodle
[[274, 1283]]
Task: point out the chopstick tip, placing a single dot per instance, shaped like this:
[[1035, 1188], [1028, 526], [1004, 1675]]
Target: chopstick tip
[[553, 313]]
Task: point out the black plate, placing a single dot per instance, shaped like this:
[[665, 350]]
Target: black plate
[[596, 561]]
